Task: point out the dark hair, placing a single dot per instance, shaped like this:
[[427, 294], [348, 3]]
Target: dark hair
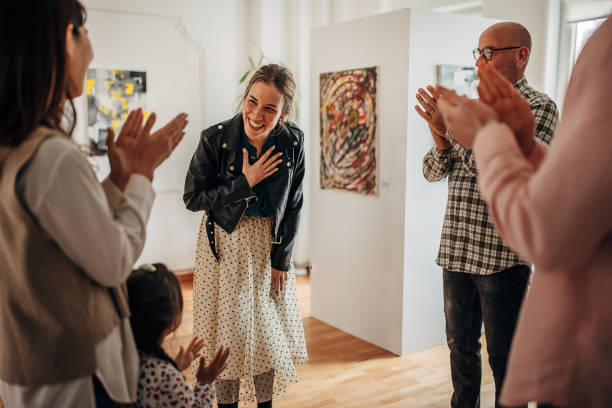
[[33, 79], [281, 78], [155, 300]]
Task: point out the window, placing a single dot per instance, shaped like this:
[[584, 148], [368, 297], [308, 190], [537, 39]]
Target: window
[[581, 32]]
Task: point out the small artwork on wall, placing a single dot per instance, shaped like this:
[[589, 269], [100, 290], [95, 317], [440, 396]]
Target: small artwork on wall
[[348, 130], [111, 95], [462, 79]]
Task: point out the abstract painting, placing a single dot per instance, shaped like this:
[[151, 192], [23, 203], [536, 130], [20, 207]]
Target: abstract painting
[[111, 94], [462, 79], [348, 130]]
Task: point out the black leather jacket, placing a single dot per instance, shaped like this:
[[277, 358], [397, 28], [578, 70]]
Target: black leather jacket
[[215, 184]]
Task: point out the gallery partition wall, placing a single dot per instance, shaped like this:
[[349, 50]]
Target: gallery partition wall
[[374, 248]]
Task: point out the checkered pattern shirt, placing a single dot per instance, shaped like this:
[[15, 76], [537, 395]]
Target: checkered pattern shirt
[[469, 241]]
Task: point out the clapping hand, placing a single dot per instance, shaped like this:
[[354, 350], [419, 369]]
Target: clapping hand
[[185, 357], [463, 116], [511, 108], [208, 373], [136, 150], [121, 152], [430, 112], [155, 148], [263, 168]]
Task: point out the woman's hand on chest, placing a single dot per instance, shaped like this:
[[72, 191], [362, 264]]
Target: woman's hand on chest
[[264, 167]]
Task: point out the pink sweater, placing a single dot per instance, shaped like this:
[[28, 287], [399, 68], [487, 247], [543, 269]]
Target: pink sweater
[[555, 209]]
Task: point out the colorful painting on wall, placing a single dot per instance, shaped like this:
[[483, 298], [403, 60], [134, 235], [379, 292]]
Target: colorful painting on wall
[[111, 95], [348, 130], [462, 79]]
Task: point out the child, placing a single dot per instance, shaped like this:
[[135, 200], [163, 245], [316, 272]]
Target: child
[[156, 305]]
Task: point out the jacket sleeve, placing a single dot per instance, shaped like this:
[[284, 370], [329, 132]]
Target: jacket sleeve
[[557, 216], [203, 190], [281, 253], [47, 188]]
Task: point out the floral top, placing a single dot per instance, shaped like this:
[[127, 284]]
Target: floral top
[[160, 384]]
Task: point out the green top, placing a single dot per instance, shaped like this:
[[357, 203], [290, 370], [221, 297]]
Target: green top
[[260, 205]]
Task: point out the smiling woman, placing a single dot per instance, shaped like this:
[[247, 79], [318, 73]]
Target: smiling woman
[[247, 175]]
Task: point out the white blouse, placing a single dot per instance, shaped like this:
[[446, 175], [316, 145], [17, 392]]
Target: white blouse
[[103, 231]]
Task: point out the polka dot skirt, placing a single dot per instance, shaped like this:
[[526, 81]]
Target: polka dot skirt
[[235, 305]]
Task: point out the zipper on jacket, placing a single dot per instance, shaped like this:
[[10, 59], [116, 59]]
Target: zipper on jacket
[[237, 201], [245, 207]]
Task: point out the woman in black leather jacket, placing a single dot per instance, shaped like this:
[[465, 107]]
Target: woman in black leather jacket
[[247, 176]]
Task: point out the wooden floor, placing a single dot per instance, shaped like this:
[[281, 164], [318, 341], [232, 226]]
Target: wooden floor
[[345, 372]]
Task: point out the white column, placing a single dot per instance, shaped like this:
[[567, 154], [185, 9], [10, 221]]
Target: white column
[[553, 38], [274, 29], [299, 16], [385, 6], [341, 10], [321, 10], [253, 34]]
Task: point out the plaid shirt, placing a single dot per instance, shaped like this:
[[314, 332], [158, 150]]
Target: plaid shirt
[[469, 240]]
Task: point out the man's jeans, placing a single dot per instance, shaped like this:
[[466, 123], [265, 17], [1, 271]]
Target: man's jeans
[[469, 301]]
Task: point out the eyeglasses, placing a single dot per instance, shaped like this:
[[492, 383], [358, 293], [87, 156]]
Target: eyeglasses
[[487, 52]]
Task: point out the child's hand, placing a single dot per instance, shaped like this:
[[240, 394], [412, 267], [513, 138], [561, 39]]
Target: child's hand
[[208, 373], [184, 357]]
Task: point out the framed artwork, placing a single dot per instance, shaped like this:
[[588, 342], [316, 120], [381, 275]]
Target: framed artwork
[[462, 79], [348, 130], [111, 95]]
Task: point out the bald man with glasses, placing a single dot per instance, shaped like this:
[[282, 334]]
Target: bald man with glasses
[[484, 281]]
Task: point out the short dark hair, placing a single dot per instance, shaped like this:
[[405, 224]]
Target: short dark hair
[[281, 78], [33, 65], [155, 299]]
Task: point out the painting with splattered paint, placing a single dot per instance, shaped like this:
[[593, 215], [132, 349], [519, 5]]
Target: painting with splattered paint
[[111, 95], [348, 130]]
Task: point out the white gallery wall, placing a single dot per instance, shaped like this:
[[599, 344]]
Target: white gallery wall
[[218, 25], [375, 275], [357, 242], [172, 62]]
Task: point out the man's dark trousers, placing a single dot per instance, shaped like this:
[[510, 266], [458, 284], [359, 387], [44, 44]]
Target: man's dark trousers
[[469, 301]]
